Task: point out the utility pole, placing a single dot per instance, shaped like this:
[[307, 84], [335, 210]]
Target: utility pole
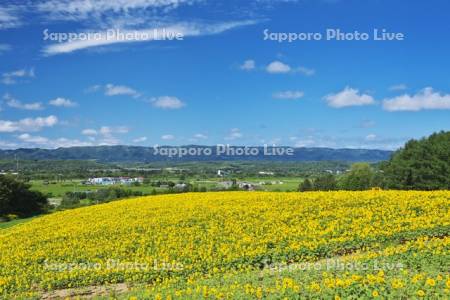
[[17, 164]]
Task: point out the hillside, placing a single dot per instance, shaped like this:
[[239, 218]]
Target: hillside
[[212, 245], [147, 154]]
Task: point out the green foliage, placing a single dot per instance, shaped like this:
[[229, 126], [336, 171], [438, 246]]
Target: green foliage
[[306, 186], [325, 183], [17, 199], [75, 199], [359, 178], [420, 165]]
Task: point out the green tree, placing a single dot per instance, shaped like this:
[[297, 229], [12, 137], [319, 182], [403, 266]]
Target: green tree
[[359, 178], [17, 198], [421, 164], [325, 183], [305, 186]]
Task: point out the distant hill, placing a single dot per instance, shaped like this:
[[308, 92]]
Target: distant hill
[[147, 154]]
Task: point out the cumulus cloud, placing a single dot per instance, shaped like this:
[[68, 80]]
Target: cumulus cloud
[[62, 102], [167, 102], [105, 135], [349, 97], [278, 67], [13, 77], [26, 137], [14, 103], [290, 95], [120, 90], [28, 124], [426, 99], [248, 65]]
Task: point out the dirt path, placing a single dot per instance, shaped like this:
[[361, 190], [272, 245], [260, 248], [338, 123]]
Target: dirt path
[[87, 292]]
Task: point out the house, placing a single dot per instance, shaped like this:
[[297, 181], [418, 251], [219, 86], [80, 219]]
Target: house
[[226, 184], [181, 187], [101, 181], [114, 180], [248, 186], [266, 173]]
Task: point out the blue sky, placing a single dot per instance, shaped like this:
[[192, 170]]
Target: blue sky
[[223, 83]]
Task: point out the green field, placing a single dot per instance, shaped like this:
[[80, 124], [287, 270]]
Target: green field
[[4, 225], [58, 189]]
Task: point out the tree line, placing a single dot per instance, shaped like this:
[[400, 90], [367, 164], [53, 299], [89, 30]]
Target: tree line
[[420, 165]]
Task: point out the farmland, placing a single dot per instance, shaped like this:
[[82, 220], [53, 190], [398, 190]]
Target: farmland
[[238, 244]]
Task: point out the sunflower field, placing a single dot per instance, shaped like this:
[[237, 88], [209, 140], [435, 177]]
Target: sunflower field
[[238, 245]]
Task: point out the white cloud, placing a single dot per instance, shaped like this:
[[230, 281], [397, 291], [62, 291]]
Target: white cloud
[[26, 137], [168, 137], [248, 65], [106, 130], [9, 17], [14, 103], [44, 142], [140, 139], [200, 136], [278, 67], [371, 137], [167, 102], [118, 90], [8, 145], [101, 38], [89, 132], [28, 124], [398, 87], [9, 78], [349, 97], [234, 134], [65, 143], [426, 99], [105, 135], [62, 102], [87, 10], [291, 95]]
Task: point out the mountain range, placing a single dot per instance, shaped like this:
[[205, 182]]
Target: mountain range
[[203, 153]]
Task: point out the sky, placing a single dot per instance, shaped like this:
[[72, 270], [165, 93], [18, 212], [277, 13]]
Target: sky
[[181, 72]]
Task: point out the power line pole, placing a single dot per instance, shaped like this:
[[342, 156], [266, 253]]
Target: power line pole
[[17, 165]]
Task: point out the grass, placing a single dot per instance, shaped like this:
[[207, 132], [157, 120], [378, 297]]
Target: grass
[[58, 189], [8, 224]]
